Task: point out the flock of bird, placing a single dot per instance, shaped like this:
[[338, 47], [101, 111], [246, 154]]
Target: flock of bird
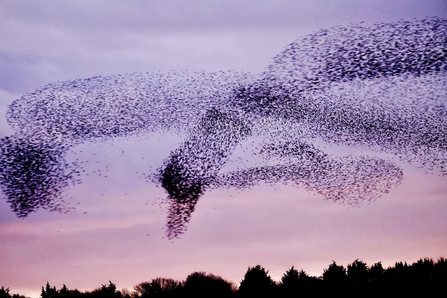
[[380, 88]]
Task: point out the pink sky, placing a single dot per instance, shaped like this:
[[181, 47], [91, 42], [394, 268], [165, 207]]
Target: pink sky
[[276, 227]]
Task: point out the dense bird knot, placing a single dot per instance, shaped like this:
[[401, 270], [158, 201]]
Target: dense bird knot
[[33, 175]]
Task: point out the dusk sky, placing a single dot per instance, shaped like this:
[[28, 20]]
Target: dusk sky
[[116, 231]]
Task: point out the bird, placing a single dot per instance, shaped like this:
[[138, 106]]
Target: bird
[[378, 87]]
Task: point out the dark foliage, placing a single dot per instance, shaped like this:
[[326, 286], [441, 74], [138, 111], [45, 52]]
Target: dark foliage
[[375, 273], [200, 284], [159, 287], [106, 291], [296, 283], [357, 272], [49, 292], [257, 283], [4, 293], [334, 274], [423, 278]]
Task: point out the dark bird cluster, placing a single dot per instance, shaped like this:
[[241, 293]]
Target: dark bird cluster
[[380, 88]]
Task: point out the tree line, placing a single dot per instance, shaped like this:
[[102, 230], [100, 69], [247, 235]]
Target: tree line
[[357, 279]]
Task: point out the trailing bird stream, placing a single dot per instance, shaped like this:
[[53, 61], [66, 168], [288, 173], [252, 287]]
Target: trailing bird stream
[[379, 88]]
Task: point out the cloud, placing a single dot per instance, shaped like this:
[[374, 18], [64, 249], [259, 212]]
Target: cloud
[[46, 41]]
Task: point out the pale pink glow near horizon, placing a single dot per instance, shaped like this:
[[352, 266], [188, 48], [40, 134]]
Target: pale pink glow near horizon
[[262, 226], [121, 236]]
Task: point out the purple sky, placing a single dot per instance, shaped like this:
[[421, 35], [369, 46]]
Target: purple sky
[[46, 41]]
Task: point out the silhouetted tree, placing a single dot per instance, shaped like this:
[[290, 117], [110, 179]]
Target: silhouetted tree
[[64, 292], [200, 284], [358, 272], [334, 280], [125, 293], [298, 283], [440, 271], [158, 287], [398, 273], [334, 274], [257, 282], [375, 272], [106, 291], [4, 293], [421, 271], [143, 289], [290, 282], [49, 292], [290, 279]]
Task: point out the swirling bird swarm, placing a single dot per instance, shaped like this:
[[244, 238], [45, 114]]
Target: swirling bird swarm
[[379, 88]]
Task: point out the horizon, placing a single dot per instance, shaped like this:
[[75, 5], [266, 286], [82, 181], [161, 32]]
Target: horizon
[[277, 281]]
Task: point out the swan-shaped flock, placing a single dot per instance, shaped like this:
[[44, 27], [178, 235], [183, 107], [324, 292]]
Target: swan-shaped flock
[[380, 88]]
